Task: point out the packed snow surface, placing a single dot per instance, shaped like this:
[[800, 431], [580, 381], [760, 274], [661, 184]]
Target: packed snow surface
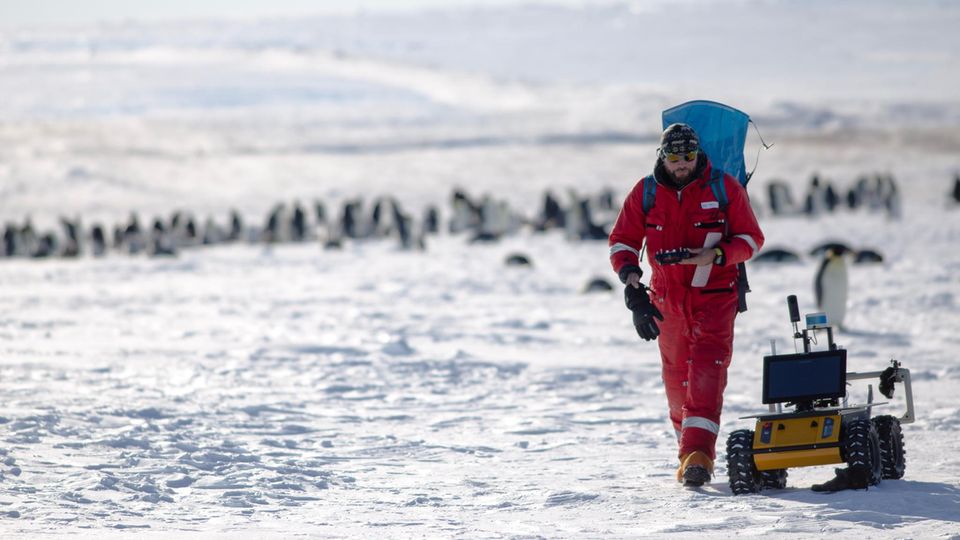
[[288, 391]]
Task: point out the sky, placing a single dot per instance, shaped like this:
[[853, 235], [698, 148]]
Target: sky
[[69, 12]]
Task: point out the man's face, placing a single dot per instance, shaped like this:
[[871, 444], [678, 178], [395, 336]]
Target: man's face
[[680, 170]]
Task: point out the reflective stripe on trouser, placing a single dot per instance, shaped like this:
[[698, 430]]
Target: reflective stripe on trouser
[[696, 342]]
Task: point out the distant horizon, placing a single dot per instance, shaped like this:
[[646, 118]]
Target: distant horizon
[[70, 13]]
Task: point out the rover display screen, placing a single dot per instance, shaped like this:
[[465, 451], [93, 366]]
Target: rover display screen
[[804, 377]]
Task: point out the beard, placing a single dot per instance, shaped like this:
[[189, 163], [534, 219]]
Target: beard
[[682, 177]]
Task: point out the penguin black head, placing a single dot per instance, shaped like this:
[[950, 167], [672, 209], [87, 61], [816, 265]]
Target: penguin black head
[[518, 259], [839, 248], [776, 255], [597, 284], [868, 256]]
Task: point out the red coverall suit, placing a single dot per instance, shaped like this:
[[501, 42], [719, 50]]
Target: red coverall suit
[[698, 303]]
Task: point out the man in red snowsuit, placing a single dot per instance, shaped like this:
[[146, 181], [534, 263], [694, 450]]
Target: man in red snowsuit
[[695, 300]]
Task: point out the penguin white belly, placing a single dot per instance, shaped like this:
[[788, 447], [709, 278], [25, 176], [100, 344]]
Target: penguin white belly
[[832, 285]]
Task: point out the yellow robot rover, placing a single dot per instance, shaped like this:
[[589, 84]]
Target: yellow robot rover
[[823, 428]]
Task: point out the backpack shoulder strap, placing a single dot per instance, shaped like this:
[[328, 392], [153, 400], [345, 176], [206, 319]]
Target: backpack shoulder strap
[[649, 193], [719, 190]]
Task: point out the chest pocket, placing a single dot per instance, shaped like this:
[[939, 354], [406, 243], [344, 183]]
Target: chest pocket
[[656, 221], [709, 220], [658, 230]]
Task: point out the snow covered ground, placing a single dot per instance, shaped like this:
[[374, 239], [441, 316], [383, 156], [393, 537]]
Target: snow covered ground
[[250, 391]]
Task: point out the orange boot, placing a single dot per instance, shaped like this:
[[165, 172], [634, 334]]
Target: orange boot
[[695, 469]]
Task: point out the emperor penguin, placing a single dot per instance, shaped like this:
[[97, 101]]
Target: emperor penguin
[[236, 226], [98, 241], [298, 223], [781, 200], [431, 220], [830, 285]]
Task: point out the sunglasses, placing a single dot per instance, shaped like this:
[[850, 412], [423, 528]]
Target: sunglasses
[[673, 158]]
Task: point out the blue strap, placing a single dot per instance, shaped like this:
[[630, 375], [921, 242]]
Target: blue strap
[[649, 193], [720, 192], [718, 188]]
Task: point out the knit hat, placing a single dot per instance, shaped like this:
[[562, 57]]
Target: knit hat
[[679, 139]]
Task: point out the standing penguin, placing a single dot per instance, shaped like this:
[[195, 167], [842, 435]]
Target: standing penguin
[[830, 285], [781, 200], [298, 223], [10, 240], [815, 200], [98, 240], [431, 220], [236, 226]]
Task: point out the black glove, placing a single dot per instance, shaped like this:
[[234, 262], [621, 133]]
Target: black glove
[[638, 301], [887, 378], [627, 270]]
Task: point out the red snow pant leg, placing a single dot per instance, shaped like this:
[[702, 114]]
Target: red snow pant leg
[[674, 355], [696, 343]]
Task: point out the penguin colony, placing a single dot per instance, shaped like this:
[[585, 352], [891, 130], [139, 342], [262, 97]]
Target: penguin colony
[[483, 219], [779, 254], [877, 193]]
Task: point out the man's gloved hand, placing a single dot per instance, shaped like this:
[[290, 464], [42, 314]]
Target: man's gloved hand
[[638, 301]]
